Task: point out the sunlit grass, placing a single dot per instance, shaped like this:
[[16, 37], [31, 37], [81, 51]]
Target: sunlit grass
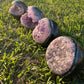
[[22, 61]]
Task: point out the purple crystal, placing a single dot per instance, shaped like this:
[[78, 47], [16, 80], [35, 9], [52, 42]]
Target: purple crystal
[[31, 18]]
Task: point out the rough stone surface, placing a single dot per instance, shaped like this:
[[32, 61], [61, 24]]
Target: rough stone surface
[[31, 17], [18, 8], [34, 13], [42, 30], [27, 22], [60, 54]]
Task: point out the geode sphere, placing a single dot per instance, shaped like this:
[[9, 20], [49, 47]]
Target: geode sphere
[[45, 31], [31, 17], [63, 55], [18, 8]]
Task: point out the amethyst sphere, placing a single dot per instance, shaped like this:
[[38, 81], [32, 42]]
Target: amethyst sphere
[[31, 17], [63, 55], [18, 8], [45, 31]]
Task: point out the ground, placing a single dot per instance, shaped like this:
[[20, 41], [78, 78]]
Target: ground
[[22, 60]]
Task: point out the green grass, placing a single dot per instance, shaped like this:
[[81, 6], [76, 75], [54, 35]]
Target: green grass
[[22, 61]]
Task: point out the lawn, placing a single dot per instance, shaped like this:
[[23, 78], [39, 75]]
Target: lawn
[[22, 60]]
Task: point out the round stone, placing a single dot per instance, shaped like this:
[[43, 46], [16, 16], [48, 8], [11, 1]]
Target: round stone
[[60, 55], [31, 17], [42, 30], [34, 13], [45, 31], [18, 8], [27, 22]]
